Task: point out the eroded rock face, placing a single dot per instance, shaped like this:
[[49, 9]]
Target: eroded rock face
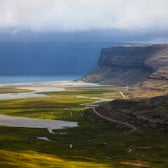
[[146, 69], [131, 65]]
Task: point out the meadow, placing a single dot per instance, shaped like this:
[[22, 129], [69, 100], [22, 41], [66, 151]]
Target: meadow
[[95, 143]]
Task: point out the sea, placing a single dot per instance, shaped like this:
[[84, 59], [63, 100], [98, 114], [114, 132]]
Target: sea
[[37, 79]]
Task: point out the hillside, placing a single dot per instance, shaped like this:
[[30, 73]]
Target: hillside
[[131, 65], [146, 113]]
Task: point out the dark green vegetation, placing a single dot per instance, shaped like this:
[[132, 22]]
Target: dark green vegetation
[[95, 142]]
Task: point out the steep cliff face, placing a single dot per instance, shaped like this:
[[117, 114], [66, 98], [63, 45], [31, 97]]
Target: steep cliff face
[[131, 65], [146, 68]]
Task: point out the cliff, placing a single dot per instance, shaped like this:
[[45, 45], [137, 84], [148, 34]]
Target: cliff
[[143, 67], [131, 65]]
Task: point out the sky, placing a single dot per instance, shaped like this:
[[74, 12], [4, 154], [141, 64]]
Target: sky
[[83, 15], [77, 21]]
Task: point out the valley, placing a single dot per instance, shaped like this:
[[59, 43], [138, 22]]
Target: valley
[[84, 84], [94, 142], [118, 121]]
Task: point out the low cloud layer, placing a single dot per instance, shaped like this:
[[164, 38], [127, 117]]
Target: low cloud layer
[[83, 15]]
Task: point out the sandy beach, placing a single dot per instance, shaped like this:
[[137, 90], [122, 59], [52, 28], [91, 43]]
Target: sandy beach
[[54, 85]]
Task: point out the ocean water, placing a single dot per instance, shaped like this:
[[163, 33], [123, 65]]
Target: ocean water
[[37, 79], [48, 58]]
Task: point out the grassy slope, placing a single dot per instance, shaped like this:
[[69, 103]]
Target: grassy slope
[[95, 143]]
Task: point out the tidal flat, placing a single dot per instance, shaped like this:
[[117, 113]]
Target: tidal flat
[[93, 143]]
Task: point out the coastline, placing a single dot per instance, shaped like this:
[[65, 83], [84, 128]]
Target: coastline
[[59, 84], [36, 79]]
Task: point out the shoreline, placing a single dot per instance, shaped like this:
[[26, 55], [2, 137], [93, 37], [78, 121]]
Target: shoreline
[[36, 79], [54, 83], [30, 83]]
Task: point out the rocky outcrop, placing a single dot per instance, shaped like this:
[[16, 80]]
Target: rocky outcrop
[[131, 65]]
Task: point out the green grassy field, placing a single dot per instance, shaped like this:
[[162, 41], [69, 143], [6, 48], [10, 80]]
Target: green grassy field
[[59, 105], [95, 142], [12, 89]]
